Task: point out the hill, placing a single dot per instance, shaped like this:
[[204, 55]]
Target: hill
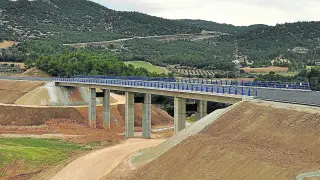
[[225, 28], [298, 42], [290, 45], [78, 20], [252, 141]]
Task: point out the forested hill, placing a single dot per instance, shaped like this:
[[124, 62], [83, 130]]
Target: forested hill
[[298, 41], [225, 28], [79, 20]]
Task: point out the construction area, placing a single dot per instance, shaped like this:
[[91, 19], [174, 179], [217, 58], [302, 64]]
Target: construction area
[[253, 140], [250, 140], [40, 108]]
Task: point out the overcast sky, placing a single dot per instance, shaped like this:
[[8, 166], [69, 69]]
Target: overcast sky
[[237, 12]]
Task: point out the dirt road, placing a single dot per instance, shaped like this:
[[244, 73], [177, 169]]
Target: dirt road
[[97, 164]]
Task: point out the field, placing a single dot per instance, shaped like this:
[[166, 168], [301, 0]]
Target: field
[[148, 66], [7, 44], [29, 156], [191, 72], [265, 70], [311, 67], [253, 141], [22, 65]]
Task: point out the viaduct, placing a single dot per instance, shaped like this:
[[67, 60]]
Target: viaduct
[[181, 91]]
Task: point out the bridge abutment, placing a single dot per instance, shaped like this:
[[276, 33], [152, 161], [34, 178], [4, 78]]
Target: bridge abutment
[[129, 115], [179, 114], [92, 111], [146, 117], [106, 109]]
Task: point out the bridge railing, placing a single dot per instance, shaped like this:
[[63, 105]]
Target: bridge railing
[[260, 84], [179, 86]]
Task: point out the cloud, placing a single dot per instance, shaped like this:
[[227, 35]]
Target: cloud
[[238, 12]]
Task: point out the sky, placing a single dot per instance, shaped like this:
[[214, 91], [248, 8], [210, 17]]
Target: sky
[[237, 12]]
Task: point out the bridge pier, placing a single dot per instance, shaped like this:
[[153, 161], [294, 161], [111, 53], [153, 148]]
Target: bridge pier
[[201, 109], [92, 111], [106, 108], [129, 115], [146, 117], [179, 114]]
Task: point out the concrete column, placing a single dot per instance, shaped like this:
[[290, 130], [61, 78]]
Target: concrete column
[[179, 114], [201, 109], [106, 108], [146, 117], [129, 113], [92, 111]]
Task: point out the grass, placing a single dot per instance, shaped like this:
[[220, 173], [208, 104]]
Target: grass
[[310, 67], [31, 155], [192, 119], [148, 66]]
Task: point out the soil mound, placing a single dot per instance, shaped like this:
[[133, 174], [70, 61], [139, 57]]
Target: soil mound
[[11, 91], [158, 117], [29, 116], [251, 141], [43, 94]]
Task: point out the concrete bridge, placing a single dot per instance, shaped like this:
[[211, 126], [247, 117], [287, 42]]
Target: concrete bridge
[[179, 90]]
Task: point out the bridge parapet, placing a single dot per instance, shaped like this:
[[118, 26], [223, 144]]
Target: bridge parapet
[[164, 85]]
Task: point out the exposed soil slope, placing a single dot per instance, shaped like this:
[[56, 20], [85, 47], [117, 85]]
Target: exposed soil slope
[[158, 116], [26, 116], [265, 70], [7, 44], [252, 141], [10, 91]]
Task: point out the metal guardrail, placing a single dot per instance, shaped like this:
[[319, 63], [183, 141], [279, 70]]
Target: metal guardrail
[[209, 88], [265, 84], [261, 84], [296, 96]]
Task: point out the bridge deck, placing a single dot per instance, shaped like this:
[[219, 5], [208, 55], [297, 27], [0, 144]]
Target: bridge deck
[[188, 94]]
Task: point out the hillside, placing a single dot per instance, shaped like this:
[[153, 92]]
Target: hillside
[[298, 42], [78, 20], [224, 28], [252, 141], [54, 22]]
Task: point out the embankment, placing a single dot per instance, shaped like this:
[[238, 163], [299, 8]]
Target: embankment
[[265, 141], [11, 91]]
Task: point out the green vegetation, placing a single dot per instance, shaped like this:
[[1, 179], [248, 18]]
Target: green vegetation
[[34, 154], [298, 42], [201, 54], [51, 23], [192, 119], [312, 76], [87, 63], [148, 66], [79, 20], [224, 28], [312, 67]]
